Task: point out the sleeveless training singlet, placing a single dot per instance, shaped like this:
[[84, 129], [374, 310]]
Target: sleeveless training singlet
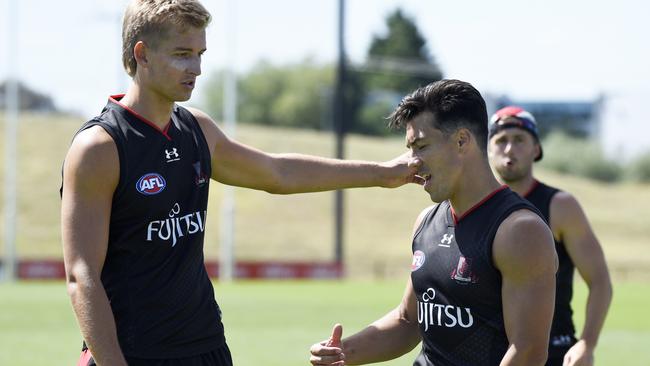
[[154, 273], [457, 287], [562, 330]]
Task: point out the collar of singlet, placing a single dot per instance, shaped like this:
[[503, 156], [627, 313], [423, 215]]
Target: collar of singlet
[[477, 205], [532, 188], [116, 100]]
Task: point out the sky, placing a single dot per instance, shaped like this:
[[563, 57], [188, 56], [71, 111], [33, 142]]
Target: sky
[[550, 50]]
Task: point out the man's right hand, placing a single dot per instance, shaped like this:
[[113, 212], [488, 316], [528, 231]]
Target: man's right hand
[[330, 351], [402, 170]]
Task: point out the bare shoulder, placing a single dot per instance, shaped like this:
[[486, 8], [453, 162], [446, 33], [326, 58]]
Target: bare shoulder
[[93, 145], [524, 243], [564, 200], [93, 157], [211, 131], [205, 121], [200, 116], [420, 218], [93, 137], [566, 216], [564, 206]]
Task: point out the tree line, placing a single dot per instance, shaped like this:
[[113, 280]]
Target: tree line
[[301, 94]]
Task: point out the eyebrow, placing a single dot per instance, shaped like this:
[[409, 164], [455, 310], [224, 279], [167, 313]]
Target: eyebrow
[[185, 49]]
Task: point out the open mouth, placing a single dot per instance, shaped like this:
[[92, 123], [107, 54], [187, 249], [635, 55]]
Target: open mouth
[[189, 84]]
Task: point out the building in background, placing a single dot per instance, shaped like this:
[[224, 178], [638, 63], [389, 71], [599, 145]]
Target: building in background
[[30, 100], [624, 125], [617, 122]]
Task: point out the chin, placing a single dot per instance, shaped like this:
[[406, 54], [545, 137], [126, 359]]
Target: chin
[[511, 178], [183, 98], [436, 196]]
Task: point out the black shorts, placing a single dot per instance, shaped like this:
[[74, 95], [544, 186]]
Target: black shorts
[[219, 357], [559, 348], [555, 360]]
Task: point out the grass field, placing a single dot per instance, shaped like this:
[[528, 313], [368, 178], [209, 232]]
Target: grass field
[[274, 323], [378, 221]]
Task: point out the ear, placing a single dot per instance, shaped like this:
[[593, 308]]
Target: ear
[[140, 53], [463, 139], [537, 150]]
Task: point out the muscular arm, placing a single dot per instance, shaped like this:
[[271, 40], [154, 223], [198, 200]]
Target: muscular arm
[[570, 225], [391, 336], [236, 164], [524, 253], [394, 335], [91, 173]]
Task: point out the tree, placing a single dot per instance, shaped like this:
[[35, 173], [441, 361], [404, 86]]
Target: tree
[[397, 63], [400, 61], [293, 95], [300, 95]]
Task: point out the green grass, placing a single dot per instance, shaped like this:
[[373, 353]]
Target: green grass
[[275, 323], [378, 221]]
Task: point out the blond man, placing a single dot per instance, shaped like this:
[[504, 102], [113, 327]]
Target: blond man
[[135, 192]]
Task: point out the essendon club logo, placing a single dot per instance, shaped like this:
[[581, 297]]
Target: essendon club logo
[[150, 184], [463, 272]]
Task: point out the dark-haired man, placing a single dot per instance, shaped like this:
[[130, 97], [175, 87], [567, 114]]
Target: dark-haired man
[[513, 148], [482, 284]]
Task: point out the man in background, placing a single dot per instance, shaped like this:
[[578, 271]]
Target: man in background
[[513, 148]]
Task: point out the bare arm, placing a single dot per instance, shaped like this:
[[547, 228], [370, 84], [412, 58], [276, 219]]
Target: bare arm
[[570, 225], [524, 253], [91, 172], [394, 335], [236, 164], [391, 336]]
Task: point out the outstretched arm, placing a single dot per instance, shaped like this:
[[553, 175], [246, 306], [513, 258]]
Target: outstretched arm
[[389, 337], [570, 225], [393, 335], [237, 164], [91, 172], [524, 253]]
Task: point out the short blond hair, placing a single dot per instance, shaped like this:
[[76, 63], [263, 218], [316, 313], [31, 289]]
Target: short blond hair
[[151, 20]]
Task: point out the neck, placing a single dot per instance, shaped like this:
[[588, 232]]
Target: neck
[[523, 185], [149, 105], [477, 182]]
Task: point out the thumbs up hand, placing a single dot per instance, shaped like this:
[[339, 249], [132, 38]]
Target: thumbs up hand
[[335, 338], [329, 352]]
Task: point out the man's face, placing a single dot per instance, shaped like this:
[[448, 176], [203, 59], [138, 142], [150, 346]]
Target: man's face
[[175, 63], [512, 152], [440, 161]]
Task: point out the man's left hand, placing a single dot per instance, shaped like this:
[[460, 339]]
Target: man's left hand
[[579, 355]]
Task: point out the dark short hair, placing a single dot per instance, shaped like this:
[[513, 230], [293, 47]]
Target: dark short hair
[[454, 104]]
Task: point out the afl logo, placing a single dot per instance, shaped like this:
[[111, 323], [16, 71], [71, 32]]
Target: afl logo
[[150, 184], [418, 260]]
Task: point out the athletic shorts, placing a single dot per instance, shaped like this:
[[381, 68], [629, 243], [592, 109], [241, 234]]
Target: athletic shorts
[[218, 357], [555, 360], [556, 352], [421, 360]]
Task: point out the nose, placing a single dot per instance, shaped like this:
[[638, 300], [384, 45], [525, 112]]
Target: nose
[[195, 66], [508, 148]]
